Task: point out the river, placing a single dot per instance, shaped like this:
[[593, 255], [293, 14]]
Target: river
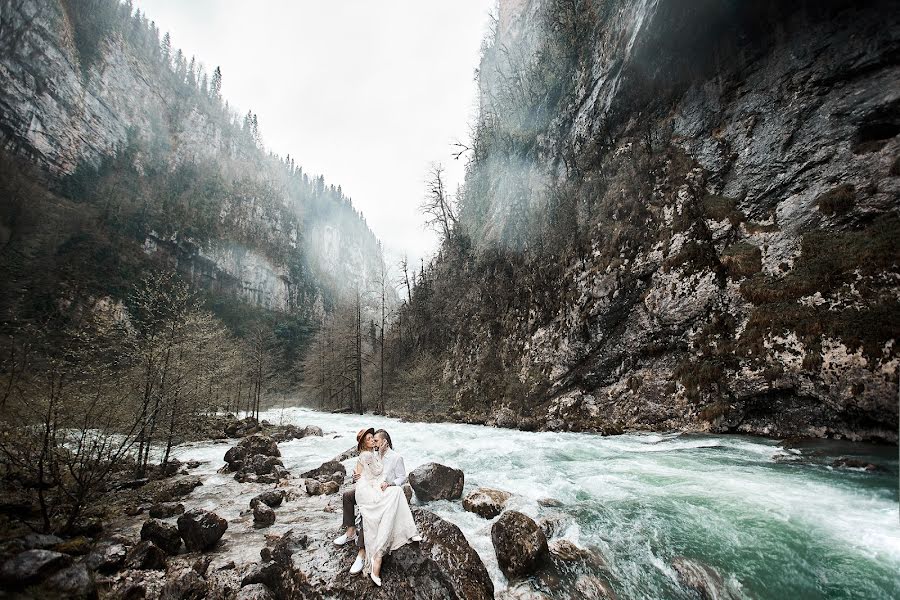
[[775, 522]]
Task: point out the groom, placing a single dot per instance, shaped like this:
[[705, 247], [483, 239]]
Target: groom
[[394, 474]]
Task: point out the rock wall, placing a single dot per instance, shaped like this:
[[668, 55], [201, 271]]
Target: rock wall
[[729, 174], [61, 112]]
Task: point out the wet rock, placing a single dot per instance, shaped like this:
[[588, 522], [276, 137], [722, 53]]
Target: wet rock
[[408, 492], [201, 565], [235, 457], [200, 529], [162, 534], [554, 523], [41, 541], [164, 510], [131, 484], [32, 566], [518, 543], [442, 566], [108, 555], [135, 510], [184, 584], [284, 433], [178, 488], [90, 526], [146, 555], [325, 469], [227, 566], [242, 427], [259, 444], [506, 419], [268, 574], [330, 487], [74, 582], [702, 578], [77, 546], [855, 463], [263, 516], [312, 430], [192, 464], [255, 591], [549, 502], [486, 502], [433, 481], [313, 487], [272, 498], [283, 548], [591, 586], [346, 455]]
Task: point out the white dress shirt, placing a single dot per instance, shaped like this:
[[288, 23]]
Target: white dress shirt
[[394, 469]]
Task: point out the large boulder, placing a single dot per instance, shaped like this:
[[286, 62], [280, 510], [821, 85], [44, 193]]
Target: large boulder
[[443, 566], [184, 584], [263, 516], [519, 543], [259, 444], [703, 579], [346, 455], [200, 529], [32, 566], [178, 488], [312, 430], [272, 498], [41, 541], [486, 502], [242, 427], [325, 470], [268, 573], [434, 481], [108, 555], [146, 555], [164, 510], [330, 487], [162, 534], [74, 583]]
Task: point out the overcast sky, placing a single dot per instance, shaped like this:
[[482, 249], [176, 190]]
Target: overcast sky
[[366, 92]]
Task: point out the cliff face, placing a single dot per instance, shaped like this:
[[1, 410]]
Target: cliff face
[[65, 110], [682, 215]]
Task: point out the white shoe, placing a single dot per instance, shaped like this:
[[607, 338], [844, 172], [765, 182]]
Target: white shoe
[[343, 540], [416, 538], [377, 580], [357, 565]]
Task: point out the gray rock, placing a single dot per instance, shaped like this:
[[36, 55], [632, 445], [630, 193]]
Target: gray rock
[[201, 530], [312, 430], [263, 516], [74, 582], [702, 578], [146, 555], [268, 573], [434, 481], [259, 444], [41, 541], [108, 555], [272, 498], [313, 487], [178, 488], [255, 591], [518, 543], [486, 502], [325, 469], [32, 566], [162, 534], [184, 584], [164, 510]]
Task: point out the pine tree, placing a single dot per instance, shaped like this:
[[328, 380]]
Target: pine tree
[[216, 88], [167, 49]]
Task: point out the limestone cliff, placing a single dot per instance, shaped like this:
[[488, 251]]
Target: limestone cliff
[[68, 104], [680, 215]]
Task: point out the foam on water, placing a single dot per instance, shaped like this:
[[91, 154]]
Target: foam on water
[[774, 529]]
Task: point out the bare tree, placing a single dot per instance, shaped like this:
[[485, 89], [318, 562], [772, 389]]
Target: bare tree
[[438, 207]]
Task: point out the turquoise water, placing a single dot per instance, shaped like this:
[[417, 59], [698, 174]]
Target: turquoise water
[[774, 522]]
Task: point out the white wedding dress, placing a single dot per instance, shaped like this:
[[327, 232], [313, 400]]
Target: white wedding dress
[[387, 521]]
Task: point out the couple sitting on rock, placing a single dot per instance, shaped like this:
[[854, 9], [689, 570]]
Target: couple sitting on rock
[[387, 522]]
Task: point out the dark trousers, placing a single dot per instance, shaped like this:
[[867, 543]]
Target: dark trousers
[[350, 517]]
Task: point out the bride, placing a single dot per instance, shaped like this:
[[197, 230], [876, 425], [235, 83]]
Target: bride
[[386, 517]]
